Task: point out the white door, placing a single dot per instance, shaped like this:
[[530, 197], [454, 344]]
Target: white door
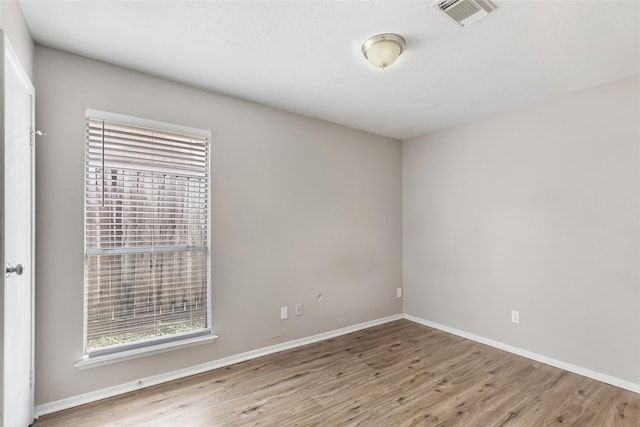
[[16, 229]]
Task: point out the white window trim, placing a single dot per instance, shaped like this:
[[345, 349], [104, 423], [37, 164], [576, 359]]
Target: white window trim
[[120, 356], [94, 362]]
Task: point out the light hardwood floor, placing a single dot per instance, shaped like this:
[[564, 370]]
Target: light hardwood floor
[[396, 374]]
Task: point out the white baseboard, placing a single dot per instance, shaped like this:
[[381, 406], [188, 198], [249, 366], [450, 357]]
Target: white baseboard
[[627, 385], [81, 399], [104, 393]]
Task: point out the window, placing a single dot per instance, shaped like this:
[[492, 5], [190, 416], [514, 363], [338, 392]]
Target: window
[[147, 255]]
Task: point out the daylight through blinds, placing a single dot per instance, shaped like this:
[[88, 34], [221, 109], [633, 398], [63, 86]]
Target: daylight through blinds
[[147, 235]]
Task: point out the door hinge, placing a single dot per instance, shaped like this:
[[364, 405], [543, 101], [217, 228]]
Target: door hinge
[[31, 378]]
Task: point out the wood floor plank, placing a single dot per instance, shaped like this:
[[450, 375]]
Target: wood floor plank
[[397, 374]]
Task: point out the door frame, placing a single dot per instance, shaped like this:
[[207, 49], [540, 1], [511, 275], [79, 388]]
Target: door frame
[[10, 55]]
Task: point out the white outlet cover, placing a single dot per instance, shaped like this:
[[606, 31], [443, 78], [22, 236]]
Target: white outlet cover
[[399, 292], [298, 309], [284, 313], [515, 316]]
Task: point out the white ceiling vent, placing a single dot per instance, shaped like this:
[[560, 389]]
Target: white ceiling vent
[[465, 12]]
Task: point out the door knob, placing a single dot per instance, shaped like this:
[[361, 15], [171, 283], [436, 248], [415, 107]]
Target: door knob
[[18, 269]]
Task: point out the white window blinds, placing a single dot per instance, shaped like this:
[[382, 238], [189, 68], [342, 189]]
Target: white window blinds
[[146, 236]]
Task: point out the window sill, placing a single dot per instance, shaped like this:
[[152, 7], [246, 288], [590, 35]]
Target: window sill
[[108, 359]]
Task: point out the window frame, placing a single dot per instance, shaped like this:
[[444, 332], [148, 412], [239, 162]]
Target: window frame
[[161, 344]]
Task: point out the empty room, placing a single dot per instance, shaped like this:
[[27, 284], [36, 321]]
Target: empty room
[[320, 213]]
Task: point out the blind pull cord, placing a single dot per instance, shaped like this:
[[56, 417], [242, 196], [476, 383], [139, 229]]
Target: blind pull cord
[[103, 171]]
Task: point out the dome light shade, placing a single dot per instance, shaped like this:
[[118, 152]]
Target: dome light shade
[[383, 50]]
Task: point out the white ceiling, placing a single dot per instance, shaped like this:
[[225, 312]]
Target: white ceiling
[[304, 56]]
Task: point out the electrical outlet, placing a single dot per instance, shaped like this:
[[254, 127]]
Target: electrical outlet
[[515, 316], [398, 292], [298, 309], [284, 313]]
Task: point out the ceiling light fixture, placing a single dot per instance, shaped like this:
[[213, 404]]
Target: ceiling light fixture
[[383, 50]]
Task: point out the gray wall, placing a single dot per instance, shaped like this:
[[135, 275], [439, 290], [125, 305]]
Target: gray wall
[[538, 211], [300, 207], [13, 24]]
